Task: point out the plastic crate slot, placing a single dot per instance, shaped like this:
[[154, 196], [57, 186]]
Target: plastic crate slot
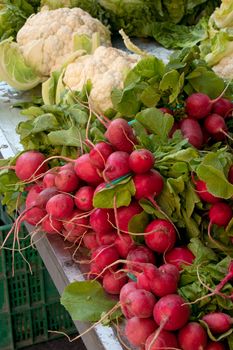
[[18, 291]]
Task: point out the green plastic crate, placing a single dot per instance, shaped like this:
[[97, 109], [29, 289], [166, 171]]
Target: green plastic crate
[[29, 303]]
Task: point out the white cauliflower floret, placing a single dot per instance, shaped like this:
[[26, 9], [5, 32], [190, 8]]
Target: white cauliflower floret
[[47, 38], [106, 69], [224, 68]]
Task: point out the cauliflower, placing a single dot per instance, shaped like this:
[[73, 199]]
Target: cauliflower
[[224, 68], [106, 69]]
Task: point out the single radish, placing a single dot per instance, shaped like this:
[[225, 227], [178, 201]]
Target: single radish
[[99, 154], [83, 198], [66, 180], [220, 214], [141, 161], [68, 236], [160, 235], [32, 195], [212, 345], [86, 171], [124, 243], [104, 256], [222, 107], [90, 241], [198, 105], [143, 282], [215, 125], [137, 330], [108, 238], [49, 180], [192, 337], [117, 165], [179, 256], [164, 282], [114, 281], [140, 254], [102, 220], [203, 193], [172, 269], [192, 131], [125, 291], [60, 206], [69, 165], [76, 223], [52, 226], [140, 303], [29, 165], [148, 184], [121, 135], [162, 340], [34, 215], [125, 214], [171, 312], [218, 322]]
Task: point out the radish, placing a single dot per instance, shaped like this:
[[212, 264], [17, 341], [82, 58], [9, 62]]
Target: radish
[[106, 238], [34, 215], [83, 198], [90, 241], [29, 165], [117, 165], [102, 220], [169, 268], [60, 206], [212, 345], [66, 180], [114, 281], [125, 291], [120, 134], [43, 197], [198, 105], [222, 107], [68, 236], [191, 130], [171, 312], [160, 235], [52, 226], [166, 110], [137, 330], [86, 171], [143, 282], [124, 243], [203, 193], [99, 154], [104, 256], [162, 340], [179, 256], [141, 161], [148, 184], [76, 224], [140, 254], [32, 195], [218, 322], [140, 303], [220, 214], [192, 337], [164, 282], [125, 214], [215, 125], [49, 180], [69, 165]]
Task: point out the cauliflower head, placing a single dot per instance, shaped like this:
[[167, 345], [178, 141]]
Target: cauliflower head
[[47, 38], [224, 68], [106, 69]]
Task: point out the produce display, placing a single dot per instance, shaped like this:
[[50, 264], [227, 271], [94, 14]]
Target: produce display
[[129, 160]]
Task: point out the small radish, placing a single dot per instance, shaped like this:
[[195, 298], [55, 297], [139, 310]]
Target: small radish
[[125, 291], [171, 312], [60, 206], [86, 171], [83, 198], [162, 340], [172, 269], [141, 161], [215, 125], [102, 220], [29, 165], [148, 184], [117, 165], [222, 107], [140, 254], [49, 180], [120, 134], [198, 105], [212, 345], [218, 322], [163, 282], [140, 303], [125, 214], [106, 238], [203, 193], [137, 330], [114, 281], [160, 235], [124, 243], [191, 130], [99, 154], [143, 282], [52, 226], [69, 237], [76, 223], [66, 180], [32, 195], [179, 256], [192, 337], [90, 241], [220, 214], [34, 215], [104, 256]]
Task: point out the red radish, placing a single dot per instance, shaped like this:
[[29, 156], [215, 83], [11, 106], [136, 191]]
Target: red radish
[[106, 238], [76, 224], [140, 254], [34, 215], [69, 237], [42, 198], [29, 165], [66, 180], [164, 283], [220, 214], [102, 220], [137, 330], [84, 197], [140, 303], [192, 337], [52, 226], [198, 105], [117, 165], [171, 312], [222, 107], [60, 206], [104, 256], [125, 214], [212, 345], [169, 268], [143, 282], [114, 281], [179, 256], [173, 129], [49, 180], [166, 110], [215, 125], [141, 161], [162, 340], [120, 134], [124, 243], [160, 235], [148, 184], [191, 130], [99, 154], [218, 322], [125, 291], [203, 193], [230, 174], [89, 240], [86, 171], [33, 194], [69, 166]]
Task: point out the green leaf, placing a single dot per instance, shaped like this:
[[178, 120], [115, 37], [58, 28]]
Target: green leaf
[[121, 193], [172, 82], [45, 122], [70, 137], [191, 199], [86, 301], [202, 253], [138, 222]]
